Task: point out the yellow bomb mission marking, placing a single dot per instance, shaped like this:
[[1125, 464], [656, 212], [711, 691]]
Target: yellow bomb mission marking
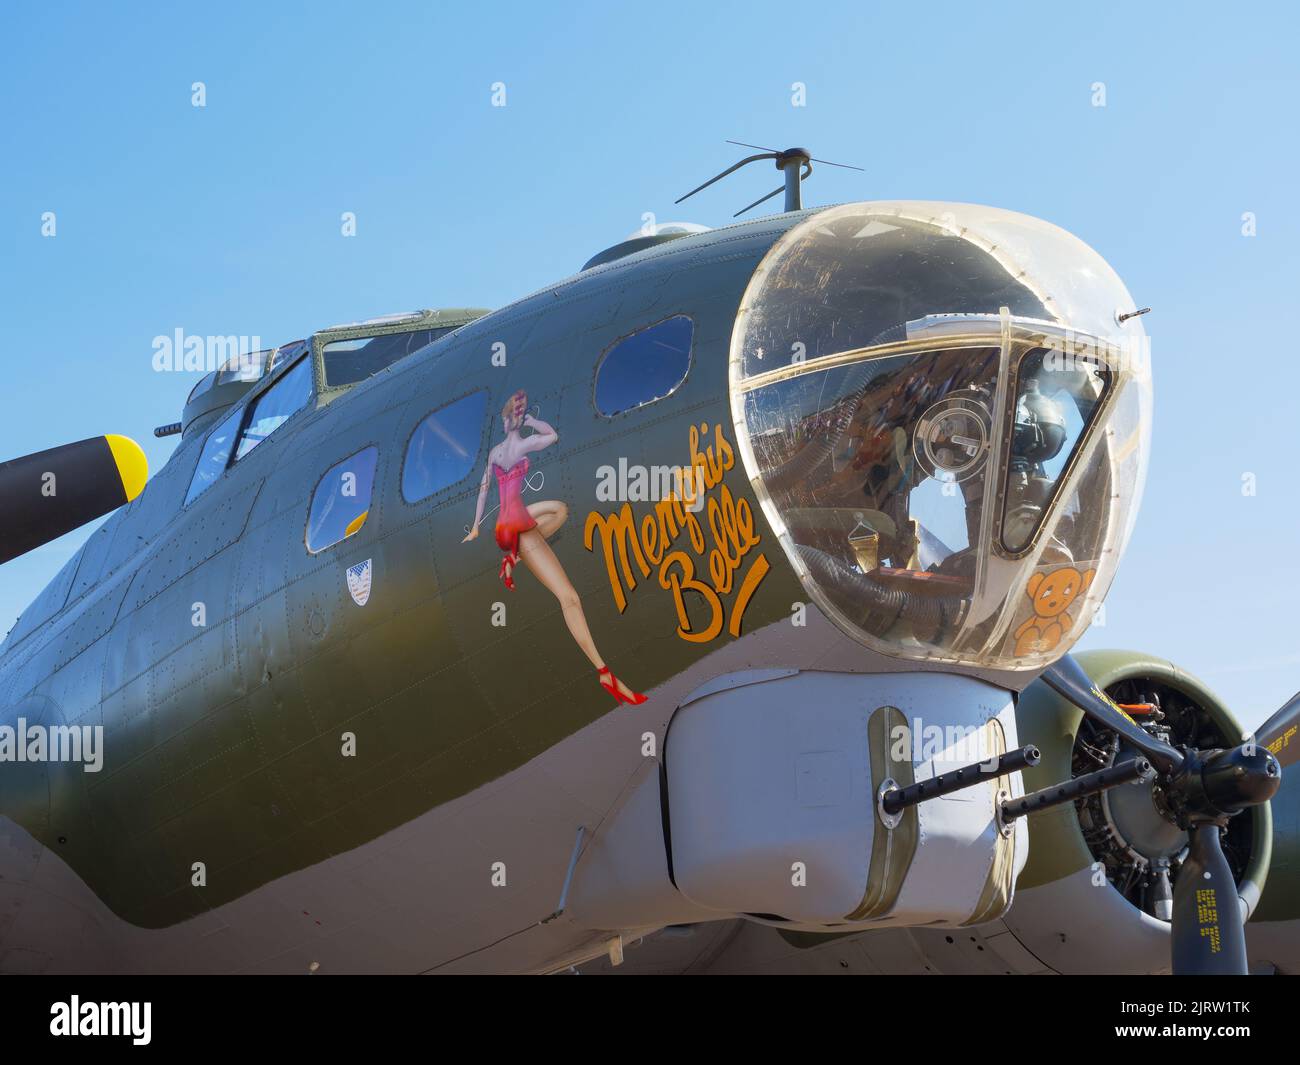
[[655, 542]]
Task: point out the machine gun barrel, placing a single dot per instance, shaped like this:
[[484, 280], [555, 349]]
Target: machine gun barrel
[[894, 802], [1088, 784]]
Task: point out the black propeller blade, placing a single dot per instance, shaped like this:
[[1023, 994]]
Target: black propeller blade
[[1280, 734], [49, 493], [1208, 937], [1200, 792], [1207, 934], [1067, 677]]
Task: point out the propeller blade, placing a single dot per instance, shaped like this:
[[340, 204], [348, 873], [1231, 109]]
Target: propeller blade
[[758, 146], [1207, 936], [1067, 678], [1280, 734], [49, 493]]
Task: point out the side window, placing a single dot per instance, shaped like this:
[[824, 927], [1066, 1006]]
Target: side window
[[215, 456], [247, 367], [444, 447], [645, 366], [341, 502], [350, 361], [276, 406], [285, 354]]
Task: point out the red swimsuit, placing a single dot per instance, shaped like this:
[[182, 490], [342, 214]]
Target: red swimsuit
[[512, 517]]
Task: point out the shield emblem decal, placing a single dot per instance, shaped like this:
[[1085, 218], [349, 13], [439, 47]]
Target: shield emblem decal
[[359, 582]]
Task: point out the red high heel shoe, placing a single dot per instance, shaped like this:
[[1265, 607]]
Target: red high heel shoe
[[636, 699], [508, 564]]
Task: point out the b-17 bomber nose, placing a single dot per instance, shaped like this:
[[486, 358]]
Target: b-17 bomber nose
[[946, 421]]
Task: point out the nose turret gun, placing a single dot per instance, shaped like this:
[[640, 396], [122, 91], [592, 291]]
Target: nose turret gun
[[894, 800]]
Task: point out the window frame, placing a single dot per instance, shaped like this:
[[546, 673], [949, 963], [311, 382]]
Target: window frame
[[242, 408], [344, 334], [1100, 411], [613, 345], [230, 415], [311, 498], [255, 396], [484, 429], [289, 353]]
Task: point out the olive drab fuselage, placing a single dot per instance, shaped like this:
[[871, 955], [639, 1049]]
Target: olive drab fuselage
[[226, 739]]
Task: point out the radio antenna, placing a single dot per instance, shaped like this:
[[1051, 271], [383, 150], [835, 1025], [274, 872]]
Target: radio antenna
[[794, 163]]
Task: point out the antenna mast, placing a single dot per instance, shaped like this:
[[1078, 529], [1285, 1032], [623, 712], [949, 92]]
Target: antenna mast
[[794, 163]]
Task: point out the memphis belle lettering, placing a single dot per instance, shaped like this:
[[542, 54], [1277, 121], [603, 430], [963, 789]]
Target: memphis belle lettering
[[699, 562]]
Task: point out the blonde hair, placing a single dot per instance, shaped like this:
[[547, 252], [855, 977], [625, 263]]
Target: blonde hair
[[515, 408]]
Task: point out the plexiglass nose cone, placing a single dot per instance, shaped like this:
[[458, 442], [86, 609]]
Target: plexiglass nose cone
[[945, 425]]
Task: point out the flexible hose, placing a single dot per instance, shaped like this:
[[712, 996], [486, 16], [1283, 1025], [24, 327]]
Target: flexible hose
[[808, 458], [939, 611]]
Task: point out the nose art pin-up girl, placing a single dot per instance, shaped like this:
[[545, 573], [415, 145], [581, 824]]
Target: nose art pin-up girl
[[522, 531]]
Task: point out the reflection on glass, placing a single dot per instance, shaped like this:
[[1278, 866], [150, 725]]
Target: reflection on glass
[[880, 471], [285, 354], [350, 361], [881, 464], [341, 501], [645, 366], [215, 456], [1056, 398], [937, 412], [247, 367], [276, 406], [444, 447], [856, 280]]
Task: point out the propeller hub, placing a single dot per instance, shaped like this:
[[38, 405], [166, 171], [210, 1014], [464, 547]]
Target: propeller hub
[[1212, 786], [1243, 776]]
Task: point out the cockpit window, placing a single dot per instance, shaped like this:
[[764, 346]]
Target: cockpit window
[[285, 354], [341, 502], [645, 366], [246, 367], [276, 406], [350, 361], [215, 456]]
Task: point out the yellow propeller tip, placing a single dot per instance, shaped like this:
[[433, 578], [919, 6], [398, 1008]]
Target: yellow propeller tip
[[355, 524], [132, 466]]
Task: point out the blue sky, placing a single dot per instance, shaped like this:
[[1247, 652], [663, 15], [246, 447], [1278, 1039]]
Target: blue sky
[[225, 219]]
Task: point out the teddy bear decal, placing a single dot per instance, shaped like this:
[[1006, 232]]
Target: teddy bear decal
[[1050, 597]]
